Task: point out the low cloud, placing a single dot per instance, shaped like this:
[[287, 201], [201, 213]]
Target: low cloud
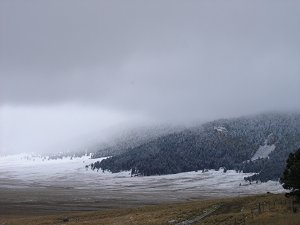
[[168, 61]]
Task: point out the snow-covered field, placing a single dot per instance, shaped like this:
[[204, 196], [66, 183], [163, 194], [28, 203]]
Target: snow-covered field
[[35, 178]]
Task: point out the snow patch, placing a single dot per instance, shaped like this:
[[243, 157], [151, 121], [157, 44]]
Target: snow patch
[[265, 150], [221, 129]]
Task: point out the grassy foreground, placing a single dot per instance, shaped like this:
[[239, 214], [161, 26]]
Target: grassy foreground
[[261, 210]]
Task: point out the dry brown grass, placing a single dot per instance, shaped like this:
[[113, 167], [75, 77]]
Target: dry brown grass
[[275, 210]]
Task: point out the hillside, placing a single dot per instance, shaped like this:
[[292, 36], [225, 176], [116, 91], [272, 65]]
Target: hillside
[[120, 141], [257, 144]]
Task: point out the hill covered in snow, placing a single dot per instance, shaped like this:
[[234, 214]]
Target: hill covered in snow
[[258, 144]]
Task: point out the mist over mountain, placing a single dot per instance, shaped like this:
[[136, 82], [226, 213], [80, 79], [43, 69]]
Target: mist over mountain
[[131, 138], [72, 71], [259, 144]]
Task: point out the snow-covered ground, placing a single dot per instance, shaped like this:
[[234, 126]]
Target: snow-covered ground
[[67, 178], [264, 150]]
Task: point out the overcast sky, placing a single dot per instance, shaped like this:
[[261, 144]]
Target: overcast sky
[[174, 61]]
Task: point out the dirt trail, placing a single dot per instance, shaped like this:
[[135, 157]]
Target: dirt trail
[[200, 217]]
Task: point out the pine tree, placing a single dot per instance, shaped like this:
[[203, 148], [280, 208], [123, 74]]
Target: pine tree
[[291, 175]]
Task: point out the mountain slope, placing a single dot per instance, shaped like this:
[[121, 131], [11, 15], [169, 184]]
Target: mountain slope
[[130, 138], [229, 143]]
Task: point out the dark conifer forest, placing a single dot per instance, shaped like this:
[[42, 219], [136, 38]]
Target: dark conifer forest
[[227, 143]]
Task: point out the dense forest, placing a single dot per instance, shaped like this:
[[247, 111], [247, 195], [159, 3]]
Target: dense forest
[[227, 143]]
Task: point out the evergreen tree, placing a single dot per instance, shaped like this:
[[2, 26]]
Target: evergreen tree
[[291, 175]]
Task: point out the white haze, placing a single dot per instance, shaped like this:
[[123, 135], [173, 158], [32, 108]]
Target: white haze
[[72, 70], [62, 128]]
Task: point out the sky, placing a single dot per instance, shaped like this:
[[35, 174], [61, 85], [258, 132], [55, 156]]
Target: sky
[[71, 68]]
